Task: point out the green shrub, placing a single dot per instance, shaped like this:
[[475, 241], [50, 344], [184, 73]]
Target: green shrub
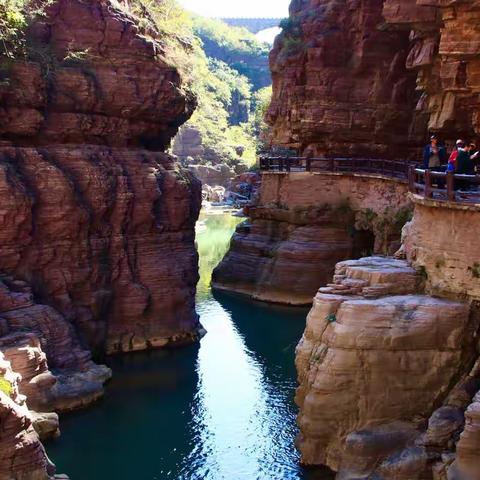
[[5, 386], [14, 18], [290, 26]]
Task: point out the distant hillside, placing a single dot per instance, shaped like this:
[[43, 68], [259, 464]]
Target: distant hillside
[[237, 47], [232, 86]]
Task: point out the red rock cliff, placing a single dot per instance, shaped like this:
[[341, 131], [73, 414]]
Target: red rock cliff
[[371, 77], [95, 217]]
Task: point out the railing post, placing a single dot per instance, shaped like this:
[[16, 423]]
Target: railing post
[[428, 184], [411, 179], [308, 164], [331, 164], [451, 186], [288, 164], [280, 164]]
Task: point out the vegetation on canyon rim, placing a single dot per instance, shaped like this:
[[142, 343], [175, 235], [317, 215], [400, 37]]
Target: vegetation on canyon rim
[[220, 79], [222, 82]]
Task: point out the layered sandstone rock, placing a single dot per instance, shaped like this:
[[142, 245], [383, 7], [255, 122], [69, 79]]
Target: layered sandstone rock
[[468, 449], [442, 240], [340, 84], [96, 222], [303, 225], [22, 456], [344, 75], [374, 362], [94, 217]]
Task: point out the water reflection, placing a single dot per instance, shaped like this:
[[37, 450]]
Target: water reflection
[[223, 410]]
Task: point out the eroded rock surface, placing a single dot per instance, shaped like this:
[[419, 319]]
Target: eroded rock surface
[[303, 225], [94, 217], [373, 77], [375, 362], [22, 456], [96, 222]]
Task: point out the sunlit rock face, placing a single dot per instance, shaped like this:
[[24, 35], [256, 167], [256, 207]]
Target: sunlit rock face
[[303, 225], [384, 374], [95, 218], [22, 456], [373, 77]]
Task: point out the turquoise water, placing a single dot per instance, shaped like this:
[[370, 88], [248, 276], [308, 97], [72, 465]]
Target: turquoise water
[[222, 410]]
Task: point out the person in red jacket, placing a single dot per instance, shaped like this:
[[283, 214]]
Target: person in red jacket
[[452, 161]]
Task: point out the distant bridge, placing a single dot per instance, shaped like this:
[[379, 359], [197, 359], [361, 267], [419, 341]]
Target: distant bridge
[[255, 25]]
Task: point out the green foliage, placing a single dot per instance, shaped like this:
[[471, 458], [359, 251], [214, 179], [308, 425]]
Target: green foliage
[[14, 18], [5, 386], [292, 37], [235, 46], [290, 26], [230, 111], [475, 270], [12, 24], [260, 102]]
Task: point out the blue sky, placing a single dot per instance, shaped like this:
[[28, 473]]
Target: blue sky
[[238, 8]]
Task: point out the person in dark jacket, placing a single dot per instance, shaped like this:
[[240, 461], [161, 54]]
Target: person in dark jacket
[[434, 155], [465, 165]]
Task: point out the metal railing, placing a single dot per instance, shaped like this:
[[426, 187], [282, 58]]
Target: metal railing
[[444, 186], [427, 183], [390, 168]]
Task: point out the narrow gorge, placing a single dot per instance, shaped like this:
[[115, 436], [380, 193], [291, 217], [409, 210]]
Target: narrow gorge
[[388, 364]]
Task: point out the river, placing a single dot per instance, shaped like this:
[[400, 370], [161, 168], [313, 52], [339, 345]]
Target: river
[[221, 410]]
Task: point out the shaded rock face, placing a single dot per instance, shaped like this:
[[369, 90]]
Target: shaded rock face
[[302, 226], [340, 84], [467, 464], [96, 222], [373, 77], [384, 374], [95, 218]]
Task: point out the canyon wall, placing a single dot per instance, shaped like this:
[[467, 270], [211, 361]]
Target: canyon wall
[[96, 222], [388, 365], [386, 373], [95, 217], [442, 239], [303, 224], [372, 77]]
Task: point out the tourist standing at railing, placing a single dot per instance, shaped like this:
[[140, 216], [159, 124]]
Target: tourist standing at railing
[[452, 161], [465, 165], [434, 154]]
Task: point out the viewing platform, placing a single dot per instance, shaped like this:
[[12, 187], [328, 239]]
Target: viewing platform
[[441, 186]]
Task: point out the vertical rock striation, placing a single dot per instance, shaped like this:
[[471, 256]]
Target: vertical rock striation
[[373, 77], [376, 363], [340, 85], [96, 221], [95, 217]]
